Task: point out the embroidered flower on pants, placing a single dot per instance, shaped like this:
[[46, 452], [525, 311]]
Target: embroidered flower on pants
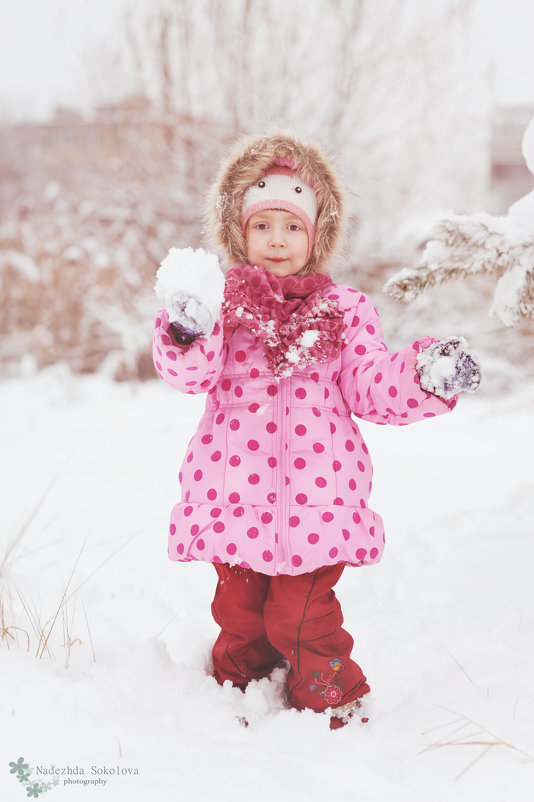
[[329, 686], [333, 695]]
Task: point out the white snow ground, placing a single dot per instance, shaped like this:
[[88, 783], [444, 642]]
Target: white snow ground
[[444, 626]]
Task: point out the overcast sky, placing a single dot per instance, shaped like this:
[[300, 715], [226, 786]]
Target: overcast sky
[[46, 51]]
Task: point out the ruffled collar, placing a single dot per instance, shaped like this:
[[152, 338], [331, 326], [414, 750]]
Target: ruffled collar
[[297, 324]]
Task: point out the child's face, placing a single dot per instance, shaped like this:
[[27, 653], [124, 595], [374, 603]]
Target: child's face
[[277, 240]]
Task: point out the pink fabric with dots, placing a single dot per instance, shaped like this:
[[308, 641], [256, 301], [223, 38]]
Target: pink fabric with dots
[[277, 476]]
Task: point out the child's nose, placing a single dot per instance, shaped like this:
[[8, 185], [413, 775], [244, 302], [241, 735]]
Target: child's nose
[[277, 237]]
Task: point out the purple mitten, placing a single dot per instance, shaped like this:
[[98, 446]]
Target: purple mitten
[[448, 367], [184, 335]]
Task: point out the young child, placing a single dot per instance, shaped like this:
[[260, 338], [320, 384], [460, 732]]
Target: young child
[[276, 480]]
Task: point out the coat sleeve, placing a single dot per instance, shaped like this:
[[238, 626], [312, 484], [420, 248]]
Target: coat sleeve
[[195, 368], [378, 385]]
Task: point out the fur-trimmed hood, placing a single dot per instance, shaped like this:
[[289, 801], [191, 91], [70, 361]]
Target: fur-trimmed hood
[[246, 165]]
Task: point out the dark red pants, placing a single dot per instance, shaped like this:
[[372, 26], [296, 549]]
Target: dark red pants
[[265, 619]]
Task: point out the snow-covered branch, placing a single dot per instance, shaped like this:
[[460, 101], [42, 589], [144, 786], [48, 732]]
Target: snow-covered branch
[[462, 245]]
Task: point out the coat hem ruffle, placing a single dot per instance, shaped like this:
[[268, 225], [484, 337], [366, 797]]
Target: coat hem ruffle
[[222, 534]]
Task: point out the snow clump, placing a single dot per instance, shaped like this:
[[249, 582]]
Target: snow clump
[[191, 285]]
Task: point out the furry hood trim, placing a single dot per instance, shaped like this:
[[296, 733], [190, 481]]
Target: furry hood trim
[[245, 165]]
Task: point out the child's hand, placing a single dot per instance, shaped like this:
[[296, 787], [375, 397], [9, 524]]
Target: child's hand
[[191, 285], [448, 367]]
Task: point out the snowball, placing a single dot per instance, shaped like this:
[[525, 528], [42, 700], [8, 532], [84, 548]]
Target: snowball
[[442, 369], [191, 285], [195, 274]]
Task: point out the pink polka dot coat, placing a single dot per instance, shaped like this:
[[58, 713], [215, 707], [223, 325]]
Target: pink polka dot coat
[[277, 476]]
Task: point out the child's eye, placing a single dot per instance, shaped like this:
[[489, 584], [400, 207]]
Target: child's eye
[[261, 226], [294, 227]]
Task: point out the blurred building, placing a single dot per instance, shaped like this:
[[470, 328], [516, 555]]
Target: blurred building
[[128, 133], [131, 133]]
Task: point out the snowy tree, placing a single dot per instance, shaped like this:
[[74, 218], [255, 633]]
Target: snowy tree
[[87, 220], [463, 245], [77, 252], [381, 83]]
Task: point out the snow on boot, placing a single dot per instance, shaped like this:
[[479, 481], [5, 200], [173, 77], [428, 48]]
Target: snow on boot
[[340, 716]]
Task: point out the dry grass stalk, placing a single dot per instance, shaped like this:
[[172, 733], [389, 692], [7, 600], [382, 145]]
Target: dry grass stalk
[[44, 631], [44, 641], [5, 629], [68, 640], [460, 666], [171, 619], [29, 520], [33, 617], [100, 565], [479, 737], [89, 633], [41, 631]]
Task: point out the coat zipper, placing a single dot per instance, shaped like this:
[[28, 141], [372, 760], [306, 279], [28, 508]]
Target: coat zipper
[[283, 545]]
